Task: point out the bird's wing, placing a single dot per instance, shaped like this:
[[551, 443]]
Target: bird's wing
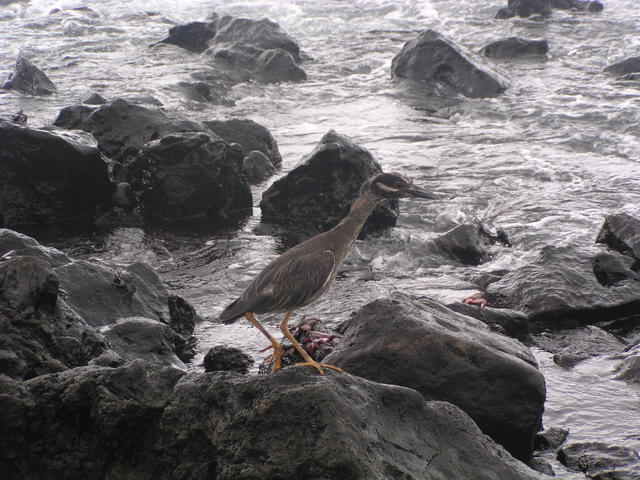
[[292, 280]]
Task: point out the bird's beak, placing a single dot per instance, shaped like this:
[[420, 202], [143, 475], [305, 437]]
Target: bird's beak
[[421, 193]]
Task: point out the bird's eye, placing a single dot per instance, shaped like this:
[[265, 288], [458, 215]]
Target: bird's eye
[[398, 185]]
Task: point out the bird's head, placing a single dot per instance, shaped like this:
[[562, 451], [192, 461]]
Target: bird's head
[[394, 185]]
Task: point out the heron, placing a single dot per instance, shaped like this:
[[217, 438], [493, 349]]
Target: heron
[[303, 273]]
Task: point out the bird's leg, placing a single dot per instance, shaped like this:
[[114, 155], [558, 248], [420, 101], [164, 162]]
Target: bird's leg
[[308, 361], [277, 346]]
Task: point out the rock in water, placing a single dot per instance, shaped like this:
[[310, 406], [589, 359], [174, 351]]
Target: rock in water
[[50, 177], [27, 78], [192, 175], [624, 67], [525, 8], [257, 167], [600, 461], [431, 57], [515, 47], [143, 421], [621, 232], [318, 193], [193, 36], [423, 345]]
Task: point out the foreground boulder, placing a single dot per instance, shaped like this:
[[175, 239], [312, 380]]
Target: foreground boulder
[[433, 58], [192, 175], [423, 345], [50, 177], [316, 194], [27, 78], [560, 289], [53, 311], [515, 47], [140, 421]]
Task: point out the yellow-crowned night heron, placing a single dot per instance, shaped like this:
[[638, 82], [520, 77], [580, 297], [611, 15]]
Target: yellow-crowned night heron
[[303, 273]]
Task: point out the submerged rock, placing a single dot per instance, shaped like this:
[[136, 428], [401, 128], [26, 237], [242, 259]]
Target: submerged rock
[[551, 439], [468, 243], [431, 57], [192, 175], [525, 8], [316, 194], [143, 421], [600, 461], [27, 78], [423, 345], [515, 47], [50, 177], [227, 359], [580, 5], [95, 99], [193, 36], [257, 167], [560, 289], [624, 67]]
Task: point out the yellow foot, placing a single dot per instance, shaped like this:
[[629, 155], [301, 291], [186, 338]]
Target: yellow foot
[[277, 357], [318, 366]]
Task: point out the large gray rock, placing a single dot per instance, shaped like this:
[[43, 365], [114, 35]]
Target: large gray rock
[[433, 58], [423, 345], [193, 36], [316, 194], [560, 289], [621, 232], [192, 175], [27, 78], [248, 134], [50, 177], [144, 422]]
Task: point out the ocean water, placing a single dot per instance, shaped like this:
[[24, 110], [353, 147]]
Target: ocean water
[[546, 161]]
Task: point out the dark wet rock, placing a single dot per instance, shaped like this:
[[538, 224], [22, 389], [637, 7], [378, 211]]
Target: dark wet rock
[[580, 5], [468, 243], [50, 177], [432, 57], [316, 194], [189, 176], [629, 368], [630, 65], [95, 99], [277, 65], [600, 461], [74, 116], [525, 8], [51, 308], [539, 464], [515, 47], [250, 135], [262, 34], [572, 346], [257, 167], [559, 289], [484, 279], [222, 359], [551, 439], [27, 78], [143, 338], [611, 269], [122, 128], [143, 421], [193, 36], [214, 93], [621, 232], [503, 320], [444, 355]]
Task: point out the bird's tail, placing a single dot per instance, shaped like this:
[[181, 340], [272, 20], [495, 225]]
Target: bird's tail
[[232, 313]]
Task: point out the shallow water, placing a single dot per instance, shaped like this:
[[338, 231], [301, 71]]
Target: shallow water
[[546, 161]]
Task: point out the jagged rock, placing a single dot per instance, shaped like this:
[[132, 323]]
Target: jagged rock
[[433, 58], [423, 345], [621, 232], [316, 194], [227, 359], [525, 8], [600, 461], [192, 175], [468, 243], [277, 65], [503, 320], [515, 47], [611, 269], [559, 289], [205, 92], [572, 346], [627, 66], [541, 465], [50, 177], [257, 167], [250, 135], [73, 116], [143, 421], [95, 99], [551, 439], [27, 78], [193, 36]]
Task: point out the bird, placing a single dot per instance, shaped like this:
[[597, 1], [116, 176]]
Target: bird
[[303, 273]]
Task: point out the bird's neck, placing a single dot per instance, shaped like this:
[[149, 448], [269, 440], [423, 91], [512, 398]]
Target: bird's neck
[[350, 226]]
